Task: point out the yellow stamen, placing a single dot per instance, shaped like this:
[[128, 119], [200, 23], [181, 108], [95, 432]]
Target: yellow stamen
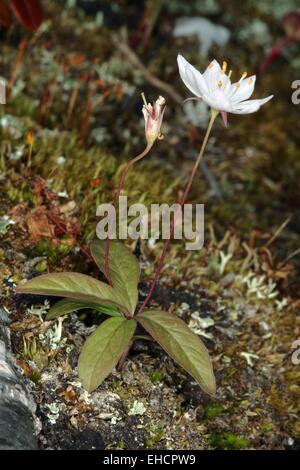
[[219, 84], [224, 66], [244, 75], [238, 84], [230, 73]]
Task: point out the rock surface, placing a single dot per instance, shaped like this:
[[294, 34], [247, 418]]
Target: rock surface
[[16, 405]]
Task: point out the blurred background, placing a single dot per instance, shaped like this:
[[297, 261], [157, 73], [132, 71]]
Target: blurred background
[[77, 70]]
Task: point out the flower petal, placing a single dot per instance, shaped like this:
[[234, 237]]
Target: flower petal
[[227, 84], [250, 106], [242, 90], [212, 75], [191, 77]]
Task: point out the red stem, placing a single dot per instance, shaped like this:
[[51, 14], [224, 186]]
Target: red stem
[[214, 114], [115, 203], [275, 51], [64, 230]]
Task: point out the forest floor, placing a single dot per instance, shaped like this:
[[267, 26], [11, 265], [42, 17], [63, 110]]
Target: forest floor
[[79, 96]]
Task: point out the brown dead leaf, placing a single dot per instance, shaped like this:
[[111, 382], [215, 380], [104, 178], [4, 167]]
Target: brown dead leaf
[[82, 407], [24, 366], [69, 394], [38, 224], [258, 235], [18, 213], [28, 324], [41, 193]]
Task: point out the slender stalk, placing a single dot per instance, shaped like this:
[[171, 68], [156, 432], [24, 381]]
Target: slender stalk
[[30, 142], [72, 103], [59, 225], [277, 48], [115, 203], [17, 64], [214, 114]]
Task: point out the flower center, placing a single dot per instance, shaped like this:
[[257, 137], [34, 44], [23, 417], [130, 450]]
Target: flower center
[[220, 98]]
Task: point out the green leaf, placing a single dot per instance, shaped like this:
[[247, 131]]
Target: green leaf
[[181, 344], [75, 286], [65, 306], [103, 349], [124, 269]]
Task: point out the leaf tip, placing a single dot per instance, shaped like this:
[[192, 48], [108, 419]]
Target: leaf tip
[[21, 288], [210, 386]]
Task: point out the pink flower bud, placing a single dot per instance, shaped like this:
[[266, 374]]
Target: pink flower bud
[[153, 115]]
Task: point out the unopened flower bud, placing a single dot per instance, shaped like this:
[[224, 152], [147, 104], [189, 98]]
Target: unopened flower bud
[[153, 115]]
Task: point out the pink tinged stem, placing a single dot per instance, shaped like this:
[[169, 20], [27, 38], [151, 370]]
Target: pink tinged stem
[[214, 114], [115, 204]]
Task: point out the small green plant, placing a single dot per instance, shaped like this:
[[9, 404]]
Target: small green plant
[[156, 376], [112, 339], [228, 441], [212, 411]]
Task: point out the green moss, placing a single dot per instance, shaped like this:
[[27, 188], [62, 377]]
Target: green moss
[[41, 266], [53, 253], [156, 435], [228, 441], [24, 105], [121, 445], [212, 411], [267, 428], [156, 376], [114, 385], [35, 376]]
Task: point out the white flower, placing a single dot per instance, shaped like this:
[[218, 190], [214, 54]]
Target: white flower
[[216, 89]]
